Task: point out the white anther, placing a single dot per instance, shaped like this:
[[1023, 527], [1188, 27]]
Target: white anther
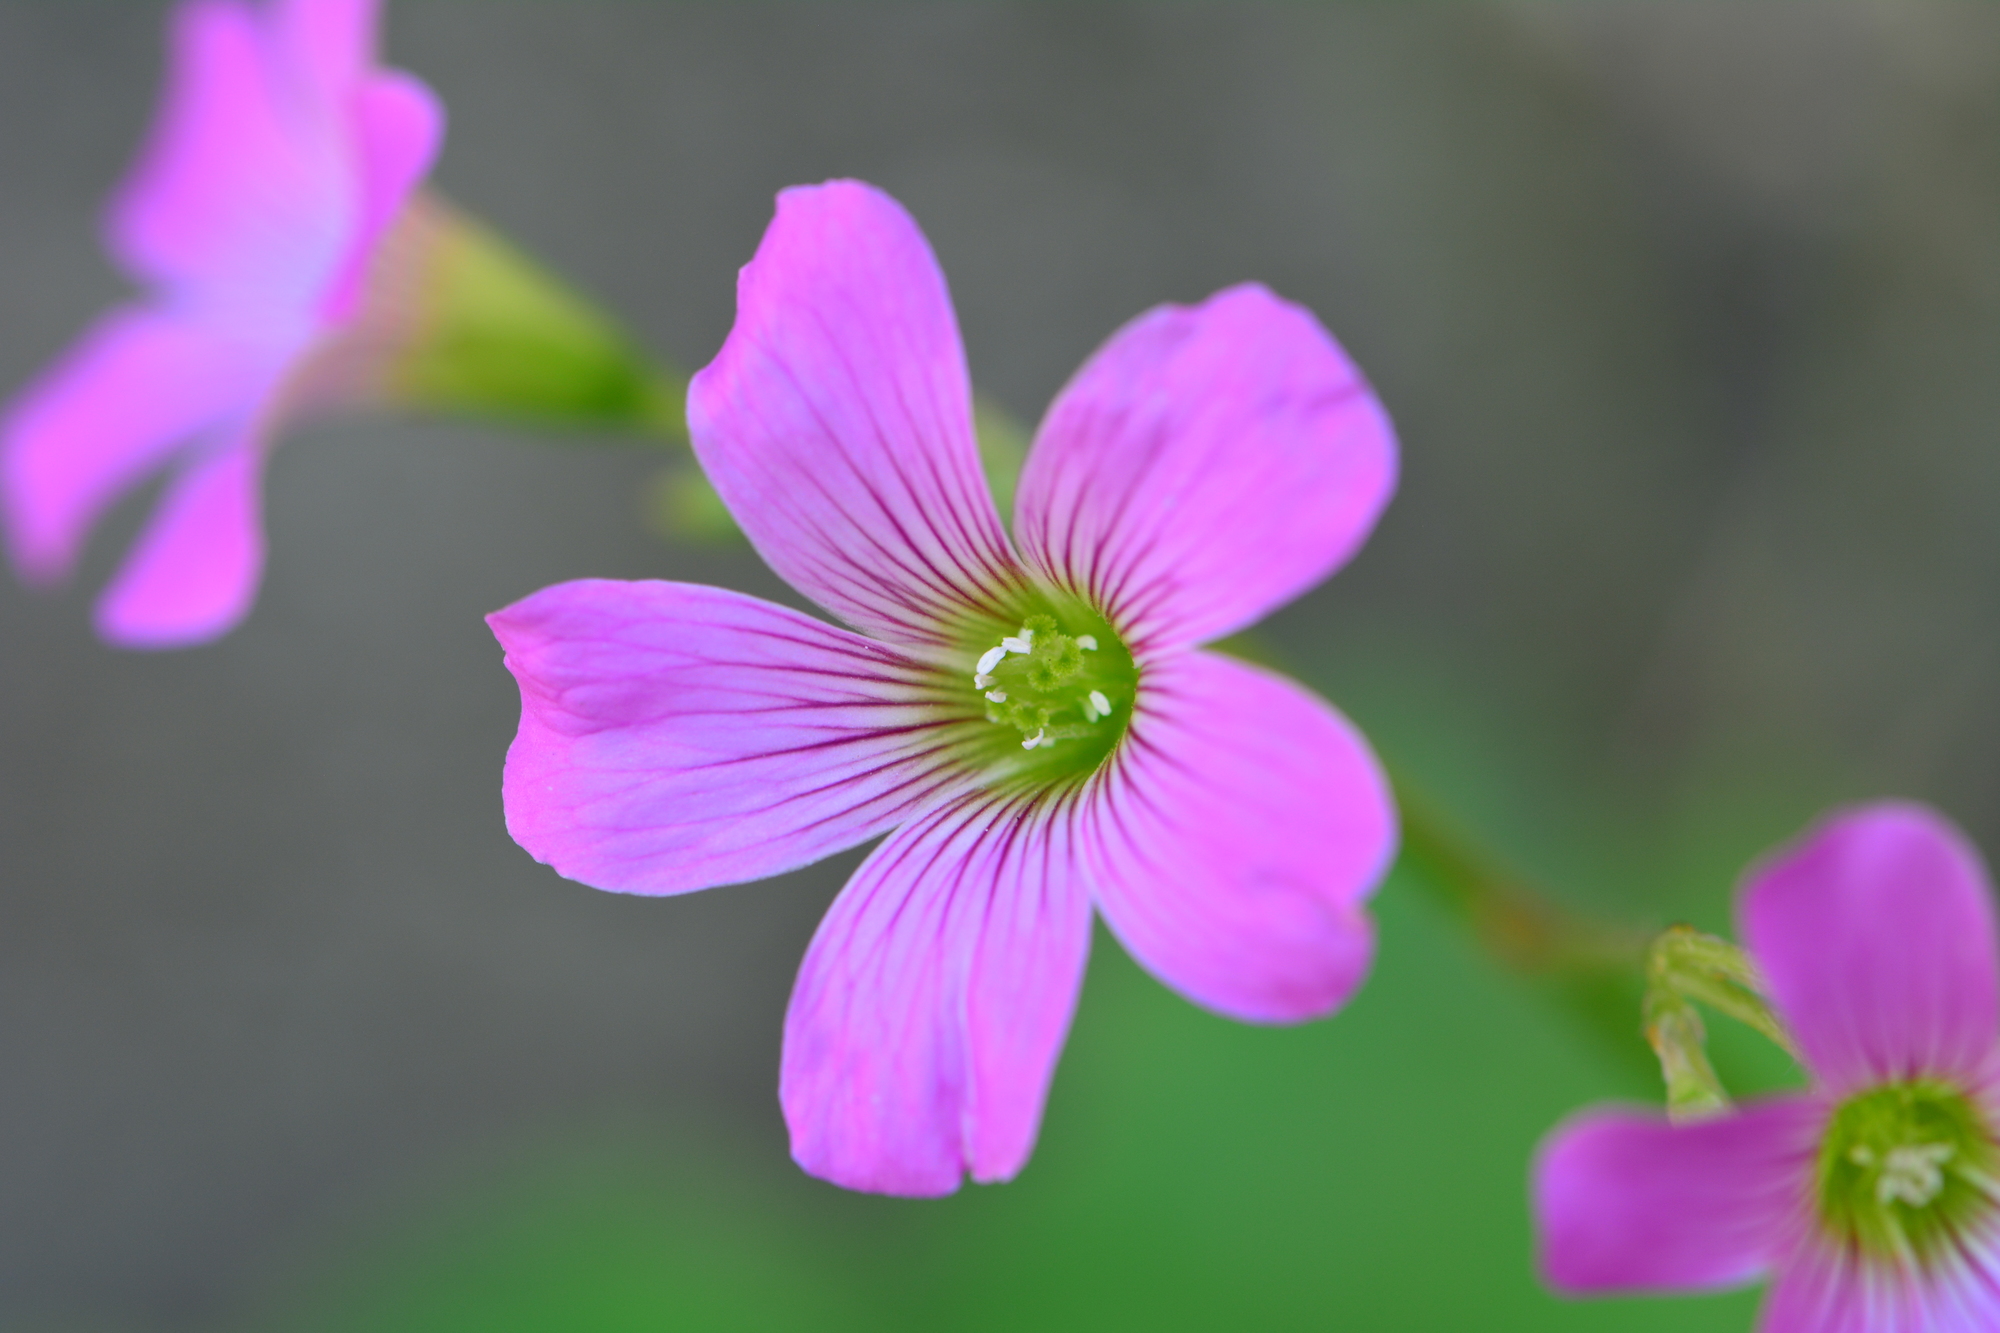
[[989, 659], [997, 696], [1913, 1174], [1038, 739], [1022, 643], [1100, 703], [1087, 642], [1089, 713]]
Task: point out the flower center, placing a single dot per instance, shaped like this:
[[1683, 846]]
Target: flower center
[[1063, 692], [1903, 1167]]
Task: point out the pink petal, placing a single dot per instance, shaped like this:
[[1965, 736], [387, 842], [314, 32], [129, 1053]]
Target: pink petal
[[235, 198], [1624, 1201], [329, 45], [676, 737], [1206, 465], [1233, 841], [1833, 1295], [399, 124], [139, 385], [1962, 1294], [1875, 932], [1828, 1289], [836, 422], [195, 570], [930, 1009]]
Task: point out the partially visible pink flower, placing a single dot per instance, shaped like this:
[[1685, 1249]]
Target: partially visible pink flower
[[1871, 1201], [281, 156], [1033, 727]]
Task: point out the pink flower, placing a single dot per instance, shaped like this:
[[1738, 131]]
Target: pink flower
[[1034, 728], [1872, 1201], [281, 156]]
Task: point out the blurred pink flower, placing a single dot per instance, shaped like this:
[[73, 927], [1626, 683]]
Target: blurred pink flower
[[1036, 731], [280, 158], [1871, 1200]]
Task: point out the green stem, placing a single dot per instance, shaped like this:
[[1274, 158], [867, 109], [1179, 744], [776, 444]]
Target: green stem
[[1684, 966], [1520, 926], [1589, 969]]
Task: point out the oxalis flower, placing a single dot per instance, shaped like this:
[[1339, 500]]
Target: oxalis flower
[[1034, 727], [1871, 1201], [255, 217]]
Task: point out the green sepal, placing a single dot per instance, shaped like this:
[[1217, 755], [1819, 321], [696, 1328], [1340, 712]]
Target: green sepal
[[492, 334], [1683, 967], [1720, 975], [1675, 1032]]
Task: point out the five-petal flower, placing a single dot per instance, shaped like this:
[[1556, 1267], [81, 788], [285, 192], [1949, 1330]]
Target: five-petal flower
[[1873, 1199], [281, 158], [1033, 727]]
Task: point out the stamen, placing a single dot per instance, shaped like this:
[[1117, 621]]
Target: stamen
[[1904, 1170], [1038, 683], [1913, 1173]]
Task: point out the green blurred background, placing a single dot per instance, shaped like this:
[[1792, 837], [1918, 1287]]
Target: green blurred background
[[1689, 317]]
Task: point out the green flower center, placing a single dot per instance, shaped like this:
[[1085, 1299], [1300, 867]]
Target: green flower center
[[1060, 691], [1903, 1167]]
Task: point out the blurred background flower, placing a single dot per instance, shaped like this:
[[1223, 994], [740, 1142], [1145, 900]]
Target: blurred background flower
[[1688, 318], [1867, 1198], [280, 159], [293, 266]]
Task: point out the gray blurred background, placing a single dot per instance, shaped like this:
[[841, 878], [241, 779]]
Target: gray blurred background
[[1689, 316]]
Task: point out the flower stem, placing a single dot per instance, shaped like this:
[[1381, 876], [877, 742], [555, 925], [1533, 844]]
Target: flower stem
[[1591, 969], [1521, 927]]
